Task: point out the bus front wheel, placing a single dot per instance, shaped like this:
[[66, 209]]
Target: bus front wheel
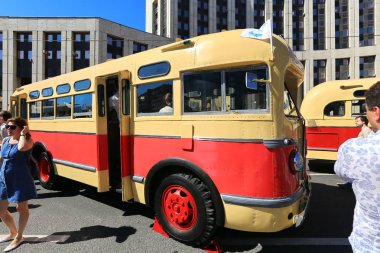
[[46, 174], [184, 208]]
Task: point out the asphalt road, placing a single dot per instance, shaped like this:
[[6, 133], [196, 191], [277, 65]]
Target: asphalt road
[[79, 219]]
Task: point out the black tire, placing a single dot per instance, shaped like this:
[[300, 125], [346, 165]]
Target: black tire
[[184, 208], [46, 174]]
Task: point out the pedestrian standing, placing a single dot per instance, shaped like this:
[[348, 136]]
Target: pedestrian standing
[[16, 182], [359, 162], [4, 116], [362, 122]]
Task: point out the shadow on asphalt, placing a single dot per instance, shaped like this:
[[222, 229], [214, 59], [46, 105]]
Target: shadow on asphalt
[[330, 215], [86, 234]]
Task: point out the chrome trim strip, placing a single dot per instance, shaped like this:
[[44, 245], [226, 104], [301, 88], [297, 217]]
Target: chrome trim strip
[[138, 179], [75, 165], [279, 143], [322, 149], [157, 136], [227, 140], [263, 202], [63, 132]]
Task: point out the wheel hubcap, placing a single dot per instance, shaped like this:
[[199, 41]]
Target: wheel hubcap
[[179, 207]]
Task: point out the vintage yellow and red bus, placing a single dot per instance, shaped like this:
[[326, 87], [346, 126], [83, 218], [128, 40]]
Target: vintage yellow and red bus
[[329, 110], [202, 134]]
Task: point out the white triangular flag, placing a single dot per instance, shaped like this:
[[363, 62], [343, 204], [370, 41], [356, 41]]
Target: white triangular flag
[[265, 32]]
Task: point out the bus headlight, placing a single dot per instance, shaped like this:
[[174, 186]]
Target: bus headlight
[[295, 162]]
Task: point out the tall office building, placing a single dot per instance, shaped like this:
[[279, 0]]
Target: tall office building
[[335, 39], [33, 49]]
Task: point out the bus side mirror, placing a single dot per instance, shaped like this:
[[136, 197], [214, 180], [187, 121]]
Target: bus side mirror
[[250, 80]]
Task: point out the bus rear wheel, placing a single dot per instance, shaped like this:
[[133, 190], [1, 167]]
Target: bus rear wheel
[[184, 208], [46, 174]]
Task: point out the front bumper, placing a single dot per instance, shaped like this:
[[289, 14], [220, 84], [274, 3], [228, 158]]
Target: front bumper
[[265, 214]]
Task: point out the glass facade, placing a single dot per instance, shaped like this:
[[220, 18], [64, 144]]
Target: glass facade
[[52, 54], [139, 47], [114, 47], [240, 14], [258, 13], [342, 69], [24, 57], [341, 24], [367, 66], [366, 23], [183, 19], [81, 50], [278, 17], [298, 25], [319, 26], [221, 15], [202, 20], [319, 71]]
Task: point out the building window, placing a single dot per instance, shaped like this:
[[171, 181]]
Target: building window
[[342, 69], [366, 23], [319, 72], [341, 24], [367, 66], [114, 47], [155, 17], [298, 25], [221, 15], [24, 58], [240, 14], [183, 19], [278, 17], [202, 21], [139, 47], [81, 50], [258, 13], [163, 17], [319, 27], [52, 54], [1, 63]]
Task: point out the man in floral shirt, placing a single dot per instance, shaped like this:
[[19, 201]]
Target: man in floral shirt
[[359, 162]]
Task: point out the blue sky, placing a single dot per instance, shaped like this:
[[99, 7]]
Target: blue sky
[[126, 12]]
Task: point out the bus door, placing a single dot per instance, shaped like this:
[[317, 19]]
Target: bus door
[[113, 132], [125, 140], [18, 106]]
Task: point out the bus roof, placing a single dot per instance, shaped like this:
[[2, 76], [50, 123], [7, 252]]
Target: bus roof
[[339, 90], [204, 52]]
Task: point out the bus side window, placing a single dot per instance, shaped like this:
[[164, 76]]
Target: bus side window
[[202, 92], [155, 99], [335, 109], [35, 110], [358, 108], [83, 105], [63, 107]]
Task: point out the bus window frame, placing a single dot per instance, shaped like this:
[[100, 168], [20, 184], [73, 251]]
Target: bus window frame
[[155, 114], [336, 116], [224, 111]]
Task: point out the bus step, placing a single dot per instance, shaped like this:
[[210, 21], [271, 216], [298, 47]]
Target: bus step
[[117, 190]]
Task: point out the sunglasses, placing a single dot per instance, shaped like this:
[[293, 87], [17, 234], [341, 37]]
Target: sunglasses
[[12, 127]]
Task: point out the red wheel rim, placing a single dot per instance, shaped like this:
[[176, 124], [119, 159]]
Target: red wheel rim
[[179, 207], [44, 169]]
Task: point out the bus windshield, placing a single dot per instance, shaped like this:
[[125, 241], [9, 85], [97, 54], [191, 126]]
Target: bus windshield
[[290, 108]]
